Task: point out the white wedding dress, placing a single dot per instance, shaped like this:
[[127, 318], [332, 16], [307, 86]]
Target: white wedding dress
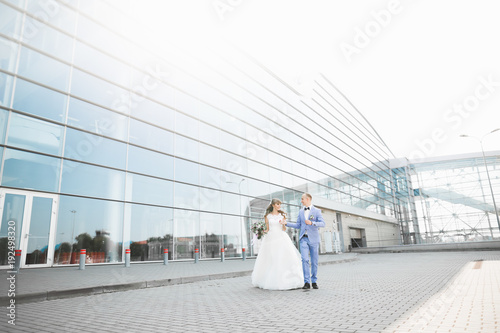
[[278, 265]]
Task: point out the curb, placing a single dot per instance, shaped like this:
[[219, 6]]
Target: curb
[[70, 293]]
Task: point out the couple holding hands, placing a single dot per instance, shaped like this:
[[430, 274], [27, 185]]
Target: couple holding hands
[[279, 266]]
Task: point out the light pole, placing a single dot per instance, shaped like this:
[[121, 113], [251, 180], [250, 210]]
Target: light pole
[[486, 166]]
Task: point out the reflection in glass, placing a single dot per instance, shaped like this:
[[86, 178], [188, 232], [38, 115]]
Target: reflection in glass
[[94, 149], [30, 171], [94, 225], [93, 181], [34, 134], [97, 120], [39, 101], [12, 221], [187, 231], [43, 69], [151, 231], [38, 240], [210, 235], [233, 235]]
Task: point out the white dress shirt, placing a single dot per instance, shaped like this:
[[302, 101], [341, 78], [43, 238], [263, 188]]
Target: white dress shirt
[[307, 213]]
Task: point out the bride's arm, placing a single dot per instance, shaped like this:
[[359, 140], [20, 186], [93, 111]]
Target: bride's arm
[[267, 225], [283, 226]]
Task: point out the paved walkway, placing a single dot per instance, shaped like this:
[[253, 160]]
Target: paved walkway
[[397, 292], [39, 284]]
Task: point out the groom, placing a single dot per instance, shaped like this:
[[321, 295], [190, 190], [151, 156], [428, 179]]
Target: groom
[[309, 220]]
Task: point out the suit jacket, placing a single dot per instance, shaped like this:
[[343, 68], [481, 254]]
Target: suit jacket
[[317, 220]]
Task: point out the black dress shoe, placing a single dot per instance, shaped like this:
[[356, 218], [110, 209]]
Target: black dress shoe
[[306, 286], [315, 286]]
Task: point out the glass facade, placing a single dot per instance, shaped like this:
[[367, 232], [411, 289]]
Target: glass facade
[[455, 196], [151, 147]]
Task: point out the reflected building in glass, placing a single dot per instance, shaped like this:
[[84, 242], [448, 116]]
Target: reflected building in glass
[[110, 141]]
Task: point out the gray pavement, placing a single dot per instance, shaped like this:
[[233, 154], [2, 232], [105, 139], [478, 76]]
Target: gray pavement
[[40, 284], [397, 292]]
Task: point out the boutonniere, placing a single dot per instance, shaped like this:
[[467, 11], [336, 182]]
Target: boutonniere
[[311, 217]]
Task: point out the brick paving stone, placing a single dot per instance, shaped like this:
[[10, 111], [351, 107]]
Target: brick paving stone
[[376, 293]]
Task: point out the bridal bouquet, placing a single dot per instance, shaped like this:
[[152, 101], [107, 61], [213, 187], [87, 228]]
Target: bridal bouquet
[[258, 229]]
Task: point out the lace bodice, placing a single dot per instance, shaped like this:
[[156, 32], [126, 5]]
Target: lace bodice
[[274, 222]]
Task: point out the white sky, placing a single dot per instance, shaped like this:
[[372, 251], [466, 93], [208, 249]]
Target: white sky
[[406, 78]]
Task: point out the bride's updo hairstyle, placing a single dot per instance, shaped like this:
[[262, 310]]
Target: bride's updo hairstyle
[[270, 208]]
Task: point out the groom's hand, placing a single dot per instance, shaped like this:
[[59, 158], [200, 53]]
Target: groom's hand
[[308, 222]]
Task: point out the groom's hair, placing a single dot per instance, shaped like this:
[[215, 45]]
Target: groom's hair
[[308, 195]]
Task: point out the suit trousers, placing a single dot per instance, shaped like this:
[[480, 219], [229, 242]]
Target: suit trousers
[[308, 249]]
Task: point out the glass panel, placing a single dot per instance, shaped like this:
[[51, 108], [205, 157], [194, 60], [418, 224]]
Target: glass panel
[[187, 231], [89, 180], [47, 39], [30, 171], [4, 116], [151, 137], [153, 112], [10, 21], [12, 223], [186, 196], [186, 125], [186, 171], [149, 190], [99, 91], [94, 225], [104, 66], [210, 177], [151, 231], [232, 235], [39, 101], [98, 120], [6, 84], [186, 148], [43, 69], [58, 15], [38, 239], [209, 155], [18, 3], [140, 160], [34, 134], [95, 149], [210, 200], [211, 235], [8, 54]]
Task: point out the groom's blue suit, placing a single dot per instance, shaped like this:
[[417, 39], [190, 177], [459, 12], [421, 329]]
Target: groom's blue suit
[[309, 240]]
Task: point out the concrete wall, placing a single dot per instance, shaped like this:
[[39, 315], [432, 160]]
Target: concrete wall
[[377, 233]]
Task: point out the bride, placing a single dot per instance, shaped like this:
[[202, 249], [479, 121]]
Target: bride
[[278, 265]]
